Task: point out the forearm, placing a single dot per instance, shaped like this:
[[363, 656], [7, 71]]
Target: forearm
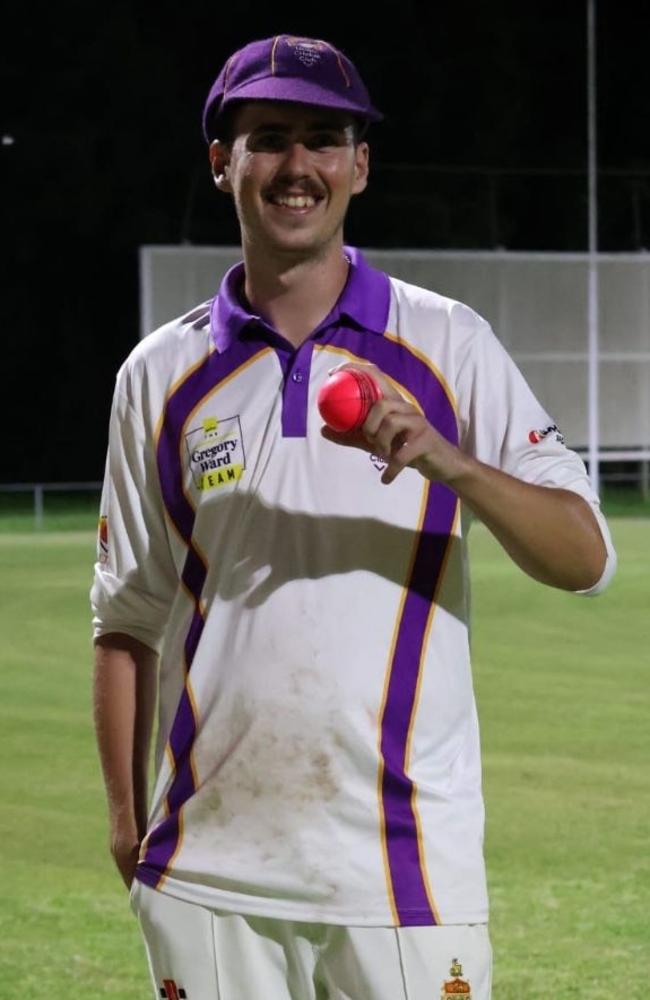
[[124, 703], [551, 534]]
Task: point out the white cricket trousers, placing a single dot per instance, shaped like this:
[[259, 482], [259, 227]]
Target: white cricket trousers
[[196, 953]]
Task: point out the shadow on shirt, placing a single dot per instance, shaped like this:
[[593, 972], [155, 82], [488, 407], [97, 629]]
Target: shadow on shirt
[[254, 549]]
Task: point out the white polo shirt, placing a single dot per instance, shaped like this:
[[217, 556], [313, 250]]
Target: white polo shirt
[[318, 750]]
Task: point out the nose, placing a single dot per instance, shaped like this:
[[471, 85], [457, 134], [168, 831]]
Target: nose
[[297, 160]]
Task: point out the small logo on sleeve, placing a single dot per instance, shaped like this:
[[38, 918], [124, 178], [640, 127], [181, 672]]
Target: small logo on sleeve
[[536, 436], [170, 991], [457, 986], [102, 539], [216, 453]]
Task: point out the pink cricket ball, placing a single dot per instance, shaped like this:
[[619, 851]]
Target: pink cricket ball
[[344, 401]]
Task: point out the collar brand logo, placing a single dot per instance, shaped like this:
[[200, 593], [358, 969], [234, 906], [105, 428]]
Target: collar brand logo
[[536, 436], [170, 991], [216, 453], [456, 987]]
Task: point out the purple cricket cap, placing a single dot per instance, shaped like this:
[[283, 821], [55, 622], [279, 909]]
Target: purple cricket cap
[[287, 68]]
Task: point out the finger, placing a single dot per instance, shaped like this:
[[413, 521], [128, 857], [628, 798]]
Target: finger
[[404, 455], [393, 469], [363, 436], [383, 410], [396, 464], [393, 430]]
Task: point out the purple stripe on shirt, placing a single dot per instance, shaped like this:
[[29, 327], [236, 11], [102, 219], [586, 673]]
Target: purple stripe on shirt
[[157, 856], [180, 736], [408, 880], [189, 394], [163, 841], [146, 874], [409, 888], [194, 571], [192, 638]]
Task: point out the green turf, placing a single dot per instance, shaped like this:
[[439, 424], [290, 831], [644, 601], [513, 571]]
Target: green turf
[[563, 698], [77, 511], [625, 501], [72, 511], [562, 685], [65, 929]]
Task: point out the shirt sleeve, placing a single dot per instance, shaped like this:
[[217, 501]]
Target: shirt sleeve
[[503, 425], [135, 577]]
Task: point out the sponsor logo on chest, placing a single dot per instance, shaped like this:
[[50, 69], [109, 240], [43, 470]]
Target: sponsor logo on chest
[[216, 453]]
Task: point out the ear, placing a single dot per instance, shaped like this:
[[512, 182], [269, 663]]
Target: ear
[[361, 167], [219, 164]]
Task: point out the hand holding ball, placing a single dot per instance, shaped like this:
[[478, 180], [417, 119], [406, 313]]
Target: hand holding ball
[[344, 401]]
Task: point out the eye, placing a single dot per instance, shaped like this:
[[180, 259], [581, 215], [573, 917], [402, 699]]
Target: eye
[[266, 142], [326, 138]]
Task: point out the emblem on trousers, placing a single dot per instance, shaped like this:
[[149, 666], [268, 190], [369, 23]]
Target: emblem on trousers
[[456, 987], [170, 991]]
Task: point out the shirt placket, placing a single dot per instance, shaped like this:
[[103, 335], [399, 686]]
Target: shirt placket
[[296, 370]]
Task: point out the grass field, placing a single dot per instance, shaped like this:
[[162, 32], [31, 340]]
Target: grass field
[[74, 511], [564, 701]]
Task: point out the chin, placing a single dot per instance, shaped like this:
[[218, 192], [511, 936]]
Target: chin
[[302, 242]]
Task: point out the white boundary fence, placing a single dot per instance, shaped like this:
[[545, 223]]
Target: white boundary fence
[[40, 489], [540, 306]]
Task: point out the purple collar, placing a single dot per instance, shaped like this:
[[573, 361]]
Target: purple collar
[[365, 301]]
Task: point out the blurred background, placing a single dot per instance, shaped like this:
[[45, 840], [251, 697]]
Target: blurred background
[[479, 189], [484, 148]]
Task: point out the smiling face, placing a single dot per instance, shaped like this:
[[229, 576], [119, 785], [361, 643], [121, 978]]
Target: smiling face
[[292, 171]]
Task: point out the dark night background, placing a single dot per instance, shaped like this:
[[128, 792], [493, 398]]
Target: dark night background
[[484, 145]]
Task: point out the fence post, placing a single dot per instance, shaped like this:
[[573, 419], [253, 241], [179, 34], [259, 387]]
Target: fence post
[[38, 505]]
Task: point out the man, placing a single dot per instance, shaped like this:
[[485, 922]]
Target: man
[[316, 826]]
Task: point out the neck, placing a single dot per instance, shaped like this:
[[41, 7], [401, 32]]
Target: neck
[[295, 294]]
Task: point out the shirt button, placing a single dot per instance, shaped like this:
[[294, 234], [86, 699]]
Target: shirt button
[[297, 376]]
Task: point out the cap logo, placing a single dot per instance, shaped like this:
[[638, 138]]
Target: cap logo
[[307, 51]]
